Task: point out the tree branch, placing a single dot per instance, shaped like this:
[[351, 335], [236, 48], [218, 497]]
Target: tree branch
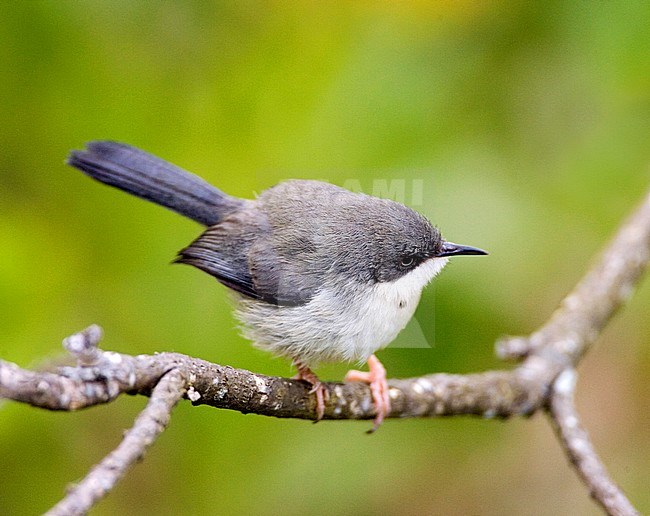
[[579, 449], [148, 425], [550, 352], [583, 314], [489, 394]]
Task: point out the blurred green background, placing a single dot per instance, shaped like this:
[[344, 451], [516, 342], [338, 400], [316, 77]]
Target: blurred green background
[[525, 128]]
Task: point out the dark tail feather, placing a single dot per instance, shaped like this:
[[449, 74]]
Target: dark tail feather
[[146, 176]]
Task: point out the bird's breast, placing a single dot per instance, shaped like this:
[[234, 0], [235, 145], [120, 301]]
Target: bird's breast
[[389, 307], [342, 322]]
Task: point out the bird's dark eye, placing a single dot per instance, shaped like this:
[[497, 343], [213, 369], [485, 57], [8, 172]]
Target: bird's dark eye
[[407, 261]]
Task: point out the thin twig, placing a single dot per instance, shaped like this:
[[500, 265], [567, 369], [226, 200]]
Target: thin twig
[[579, 449], [583, 314], [148, 425]]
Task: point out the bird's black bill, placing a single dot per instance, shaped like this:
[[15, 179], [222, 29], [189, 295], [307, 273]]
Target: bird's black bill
[[450, 249]]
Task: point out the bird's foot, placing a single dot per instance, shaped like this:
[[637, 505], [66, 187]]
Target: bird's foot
[[322, 394], [376, 378]]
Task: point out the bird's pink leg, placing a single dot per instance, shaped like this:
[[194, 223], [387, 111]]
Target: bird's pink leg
[[322, 394], [376, 378]]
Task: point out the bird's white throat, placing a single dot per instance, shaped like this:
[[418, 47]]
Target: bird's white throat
[[392, 304], [410, 286]]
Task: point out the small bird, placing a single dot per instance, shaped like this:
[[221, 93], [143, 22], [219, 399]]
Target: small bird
[[320, 274]]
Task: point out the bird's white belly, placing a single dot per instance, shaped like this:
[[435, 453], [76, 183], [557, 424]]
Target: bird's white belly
[[341, 323]]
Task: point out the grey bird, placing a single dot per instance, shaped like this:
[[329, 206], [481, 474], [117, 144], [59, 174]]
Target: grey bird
[[319, 273]]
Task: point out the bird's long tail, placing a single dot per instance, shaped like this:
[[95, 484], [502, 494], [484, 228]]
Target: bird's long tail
[[149, 177]]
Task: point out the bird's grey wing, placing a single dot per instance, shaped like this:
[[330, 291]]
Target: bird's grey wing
[[214, 252], [283, 275], [240, 256]]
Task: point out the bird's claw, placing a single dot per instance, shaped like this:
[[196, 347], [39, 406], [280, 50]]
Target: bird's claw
[[318, 388], [376, 378]]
